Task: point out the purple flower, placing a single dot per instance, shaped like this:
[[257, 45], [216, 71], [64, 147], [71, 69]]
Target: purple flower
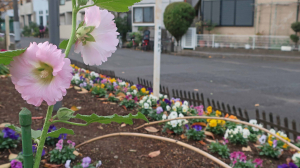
[[139, 87], [298, 138], [258, 162], [197, 127], [168, 102], [150, 90], [175, 99], [115, 84], [119, 80], [69, 141], [199, 110], [51, 128], [104, 80], [159, 110], [187, 126], [86, 162], [274, 143], [16, 164], [291, 165], [34, 149], [9, 133], [225, 141], [135, 99], [73, 144]]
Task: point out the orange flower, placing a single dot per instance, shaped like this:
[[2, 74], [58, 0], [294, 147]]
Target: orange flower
[[110, 95], [87, 71]]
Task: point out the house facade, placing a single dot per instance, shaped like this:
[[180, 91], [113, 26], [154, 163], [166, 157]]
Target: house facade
[[250, 17]]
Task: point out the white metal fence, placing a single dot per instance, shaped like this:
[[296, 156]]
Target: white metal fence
[[243, 41]]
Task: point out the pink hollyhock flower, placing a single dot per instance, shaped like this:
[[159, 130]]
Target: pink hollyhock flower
[[41, 73], [100, 25]]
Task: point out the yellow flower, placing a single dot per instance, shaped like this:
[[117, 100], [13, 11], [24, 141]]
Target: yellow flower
[[143, 90], [285, 146], [72, 65], [209, 109], [208, 120], [218, 113], [221, 122], [270, 143], [133, 87], [76, 67], [102, 85], [112, 80], [213, 123]]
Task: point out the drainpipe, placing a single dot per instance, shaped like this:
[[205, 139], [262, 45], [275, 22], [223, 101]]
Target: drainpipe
[[297, 13]]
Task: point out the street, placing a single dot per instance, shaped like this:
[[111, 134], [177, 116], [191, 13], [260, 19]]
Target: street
[[274, 85]]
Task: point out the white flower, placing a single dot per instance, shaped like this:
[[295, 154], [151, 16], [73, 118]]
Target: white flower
[[185, 121], [255, 129], [282, 134], [83, 70], [67, 165], [122, 83], [272, 131], [174, 108], [94, 74], [173, 115], [235, 131], [260, 125], [141, 102], [262, 139], [254, 122], [134, 92], [296, 157], [146, 106], [164, 117], [153, 98], [186, 103], [180, 115], [161, 95], [185, 108], [128, 93], [231, 136], [145, 98], [76, 77], [168, 108], [174, 123], [239, 128], [169, 123], [246, 133], [226, 134], [98, 164], [166, 96], [177, 104], [149, 102]]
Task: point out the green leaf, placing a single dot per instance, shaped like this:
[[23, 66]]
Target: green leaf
[[7, 57], [63, 44], [113, 118], [35, 134], [90, 38], [56, 133], [80, 25], [65, 114], [115, 5]]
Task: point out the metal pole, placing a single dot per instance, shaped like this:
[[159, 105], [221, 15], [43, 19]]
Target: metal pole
[[7, 36], [54, 32], [16, 23], [157, 47], [25, 122]]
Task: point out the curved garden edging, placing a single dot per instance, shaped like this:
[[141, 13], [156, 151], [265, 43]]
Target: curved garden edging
[[216, 160]]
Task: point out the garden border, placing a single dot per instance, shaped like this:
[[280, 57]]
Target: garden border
[[196, 98], [211, 157]]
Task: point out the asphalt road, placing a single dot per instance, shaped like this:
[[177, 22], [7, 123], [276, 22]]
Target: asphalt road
[[274, 85]]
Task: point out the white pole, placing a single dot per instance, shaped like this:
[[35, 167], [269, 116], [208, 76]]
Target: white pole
[[157, 48], [7, 37]]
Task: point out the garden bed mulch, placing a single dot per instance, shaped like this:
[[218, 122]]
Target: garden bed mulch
[[120, 151]]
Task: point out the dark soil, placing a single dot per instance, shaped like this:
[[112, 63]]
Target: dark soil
[[116, 151]]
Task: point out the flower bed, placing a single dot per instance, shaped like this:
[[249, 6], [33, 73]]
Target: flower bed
[[116, 96]]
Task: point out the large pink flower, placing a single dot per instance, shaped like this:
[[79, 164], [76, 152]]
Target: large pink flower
[[105, 35], [41, 73]]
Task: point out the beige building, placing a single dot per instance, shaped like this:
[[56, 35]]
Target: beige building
[[250, 17]]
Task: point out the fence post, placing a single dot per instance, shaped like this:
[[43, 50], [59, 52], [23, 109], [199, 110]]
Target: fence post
[[253, 42], [25, 122], [213, 41]]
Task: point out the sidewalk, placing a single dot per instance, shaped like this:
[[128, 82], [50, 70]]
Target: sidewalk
[[241, 54]]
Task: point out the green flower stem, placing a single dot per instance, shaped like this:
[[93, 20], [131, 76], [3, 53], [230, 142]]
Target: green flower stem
[[43, 137], [74, 19], [68, 122], [86, 6]]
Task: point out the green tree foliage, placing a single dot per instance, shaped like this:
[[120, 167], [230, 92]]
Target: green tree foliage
[[294, 38], [123, 26], [178, 17], [296, 26]]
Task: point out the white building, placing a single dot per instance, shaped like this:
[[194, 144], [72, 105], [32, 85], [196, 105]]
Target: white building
[[9, 12], [40, 8]]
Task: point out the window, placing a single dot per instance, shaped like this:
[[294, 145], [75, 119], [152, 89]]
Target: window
[[28, 0], [29, 19], [228, 12], [62, 2], [143, 14], [41, 12], [41, 20]]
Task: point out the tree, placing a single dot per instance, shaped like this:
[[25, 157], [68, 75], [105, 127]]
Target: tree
[[122, 26], [178, 17], [294, 37]]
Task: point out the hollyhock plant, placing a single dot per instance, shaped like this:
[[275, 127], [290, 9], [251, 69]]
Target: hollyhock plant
[[97, 39], [41, 73]]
